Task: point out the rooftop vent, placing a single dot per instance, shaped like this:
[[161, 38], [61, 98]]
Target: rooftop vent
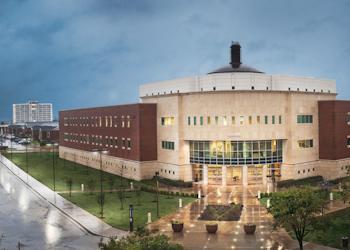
[[235, 55]]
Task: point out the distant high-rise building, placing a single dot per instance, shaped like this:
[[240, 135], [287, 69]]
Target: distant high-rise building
[[32, 111]]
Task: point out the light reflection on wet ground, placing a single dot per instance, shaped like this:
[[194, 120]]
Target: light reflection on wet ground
[[30, 220]]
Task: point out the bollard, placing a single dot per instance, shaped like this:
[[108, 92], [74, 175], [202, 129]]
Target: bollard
[[131, 185], [199, 194], [180, 203], [259, 195], [82, 187], [331, 196], [149, 217], [268, 203]]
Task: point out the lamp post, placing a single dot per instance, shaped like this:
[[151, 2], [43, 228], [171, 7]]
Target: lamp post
[[100, 152], [157, 191], [27, 160], [11, 131], [53, 166]]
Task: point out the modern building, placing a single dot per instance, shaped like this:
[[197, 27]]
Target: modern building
[[32, 112], [235, 125]]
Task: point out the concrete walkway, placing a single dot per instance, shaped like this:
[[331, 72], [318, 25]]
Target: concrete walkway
[[230, 234], [89, 222]]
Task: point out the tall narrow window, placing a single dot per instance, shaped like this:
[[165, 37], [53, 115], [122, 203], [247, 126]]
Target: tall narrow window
[[224, 120], [273, 119], [241, 120], [201, 120], [216, 120], [194, 120], [266, 119], [258, 119], [250, 119], [280, 119], [188, 120], [208, 120], [233, 120]]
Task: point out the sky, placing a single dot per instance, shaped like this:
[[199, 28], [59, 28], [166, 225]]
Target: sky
[[85, 53]]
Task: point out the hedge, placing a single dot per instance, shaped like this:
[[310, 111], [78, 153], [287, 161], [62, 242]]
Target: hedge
[[314, 180]]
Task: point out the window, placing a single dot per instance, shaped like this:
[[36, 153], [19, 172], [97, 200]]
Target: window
[[224, 120], [305, 143], [168, 145], [216, 120], [258, 119], [189, 121], [233, 120], [266, 119], [348, 141], [167, 121], [280, 119], [194, 120], [201, 120], [304, 119], [250, 120], [241, 120], [208, 120], [348, 118], [273, 119], [123, 143], [129, 144]]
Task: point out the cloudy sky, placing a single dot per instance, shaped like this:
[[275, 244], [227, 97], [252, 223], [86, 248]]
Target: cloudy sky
[[82, 53]]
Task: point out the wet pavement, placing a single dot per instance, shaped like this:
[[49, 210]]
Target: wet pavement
[[27, 218]]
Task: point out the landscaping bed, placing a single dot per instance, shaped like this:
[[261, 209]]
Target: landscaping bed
[[231, 212]]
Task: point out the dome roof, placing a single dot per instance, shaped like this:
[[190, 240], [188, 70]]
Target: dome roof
[[235, 64], [240, 68]]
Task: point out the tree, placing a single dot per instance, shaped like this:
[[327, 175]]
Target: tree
[[141, 239], [121, 198], [111, 181], [296, 209], [345, 193], [91, 185], [101, 202], [69, 183], [138, 196]]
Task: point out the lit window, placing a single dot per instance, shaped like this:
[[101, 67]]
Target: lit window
[[208, 120], [266, 119], [167, 121], [305, 143], [106, 118], [224, 120], [258, 119], [216, 120], [201, 120], [110, 121], [241, 120], [100, 120], [250, 119]]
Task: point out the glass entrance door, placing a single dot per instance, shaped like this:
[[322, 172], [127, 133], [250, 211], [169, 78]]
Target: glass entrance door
[[214, 175]]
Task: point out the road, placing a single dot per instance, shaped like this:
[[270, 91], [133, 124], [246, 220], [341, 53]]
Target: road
[[32, 221]]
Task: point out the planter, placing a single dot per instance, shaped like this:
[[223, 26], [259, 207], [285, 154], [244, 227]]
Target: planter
[[177, 227], [211, 228], [249, 228]]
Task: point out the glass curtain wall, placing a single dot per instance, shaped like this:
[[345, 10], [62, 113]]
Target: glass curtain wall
[[236, 152]]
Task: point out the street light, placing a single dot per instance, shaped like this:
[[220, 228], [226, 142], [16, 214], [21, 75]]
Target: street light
[[53, 165], [27, 160], [157, 191], [11, 141], [100, 152]]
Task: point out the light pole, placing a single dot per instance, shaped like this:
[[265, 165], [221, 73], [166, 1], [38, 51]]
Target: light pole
[[53, 166], [11, 141], [157, 191], [27, 159], [100, 152]]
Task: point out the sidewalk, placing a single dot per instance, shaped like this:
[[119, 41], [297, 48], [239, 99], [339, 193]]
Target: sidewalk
[[87, 221]]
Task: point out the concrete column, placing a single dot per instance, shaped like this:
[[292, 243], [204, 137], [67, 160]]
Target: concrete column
[[245, 175], [223, 175], [264, 173], [205, 174]]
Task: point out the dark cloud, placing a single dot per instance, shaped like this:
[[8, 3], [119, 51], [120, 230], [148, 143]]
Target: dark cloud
[[97, 52]]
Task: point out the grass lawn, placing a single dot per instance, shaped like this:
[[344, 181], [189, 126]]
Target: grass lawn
[[332, 227], [120, 218], [40, 167]]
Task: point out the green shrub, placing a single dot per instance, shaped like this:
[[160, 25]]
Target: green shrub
[[309, 181]]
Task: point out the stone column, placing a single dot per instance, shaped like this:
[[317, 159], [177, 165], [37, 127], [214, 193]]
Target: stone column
[[245, 175], [264, 173], [223, 175], [205, 174]]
